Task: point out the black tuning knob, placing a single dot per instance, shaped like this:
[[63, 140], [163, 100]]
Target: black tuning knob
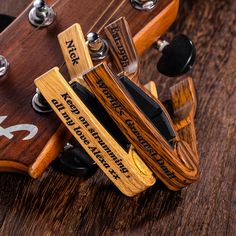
[[75, 161], [177, 57]]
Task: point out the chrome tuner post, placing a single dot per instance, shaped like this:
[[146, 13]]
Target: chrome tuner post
[[41, 15], [39, 103], [4, 65], [144, 5], [98, 47], [161, 44]]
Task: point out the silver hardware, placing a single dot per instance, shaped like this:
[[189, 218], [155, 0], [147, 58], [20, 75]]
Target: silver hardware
[[161, 44], [4, 65], [97, 46], [144, 5], [40, 104], [41, 15]]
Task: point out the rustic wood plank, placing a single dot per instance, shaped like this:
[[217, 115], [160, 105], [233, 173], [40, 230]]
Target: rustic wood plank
[[95, 207]]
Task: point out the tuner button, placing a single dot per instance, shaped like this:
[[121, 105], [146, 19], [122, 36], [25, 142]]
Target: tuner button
[[177, 57], [144, 5], [41, 15], [98, 47], [76, 162], [4, 65]]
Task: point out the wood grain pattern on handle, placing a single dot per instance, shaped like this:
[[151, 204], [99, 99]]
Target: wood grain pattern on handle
[[122, 47], [175, 167], [184, 104], [184, 101], [75, 52], [74, 49], [98, 143]]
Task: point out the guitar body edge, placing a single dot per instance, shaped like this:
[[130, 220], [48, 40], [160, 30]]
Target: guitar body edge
[[11, 166], [156, 28]]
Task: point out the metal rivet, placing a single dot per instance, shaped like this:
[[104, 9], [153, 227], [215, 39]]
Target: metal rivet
[[41, 15]]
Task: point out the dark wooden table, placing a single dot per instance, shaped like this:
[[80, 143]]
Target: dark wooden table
[[57, 204]]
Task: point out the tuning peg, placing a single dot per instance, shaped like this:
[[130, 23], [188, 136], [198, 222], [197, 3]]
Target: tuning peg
[[98, 47], [144, 5], [41, 15], [4, 65], [75, 161], [177, 57], [39, 103]]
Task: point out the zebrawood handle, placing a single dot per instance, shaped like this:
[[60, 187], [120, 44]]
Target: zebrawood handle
[[184, 101], [175, 166], [122, 49]]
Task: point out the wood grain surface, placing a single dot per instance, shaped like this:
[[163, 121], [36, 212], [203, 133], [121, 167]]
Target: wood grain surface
[[57, 204]]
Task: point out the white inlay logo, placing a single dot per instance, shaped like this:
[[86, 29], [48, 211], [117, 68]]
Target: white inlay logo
[[7, 132]]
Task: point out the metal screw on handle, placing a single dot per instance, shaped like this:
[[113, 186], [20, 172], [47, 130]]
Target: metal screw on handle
[[41, 15], [144, 5]]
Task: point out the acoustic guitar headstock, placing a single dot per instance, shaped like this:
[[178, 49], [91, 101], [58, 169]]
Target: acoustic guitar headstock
[[30, 141]]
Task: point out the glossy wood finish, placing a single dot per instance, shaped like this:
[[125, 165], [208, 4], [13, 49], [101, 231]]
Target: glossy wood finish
[[60, 205], [184, 102], [35, 51]]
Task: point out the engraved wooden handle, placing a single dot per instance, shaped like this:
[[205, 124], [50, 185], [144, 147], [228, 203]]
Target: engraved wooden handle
[[126, 170], [175, 167], [121, 45]]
